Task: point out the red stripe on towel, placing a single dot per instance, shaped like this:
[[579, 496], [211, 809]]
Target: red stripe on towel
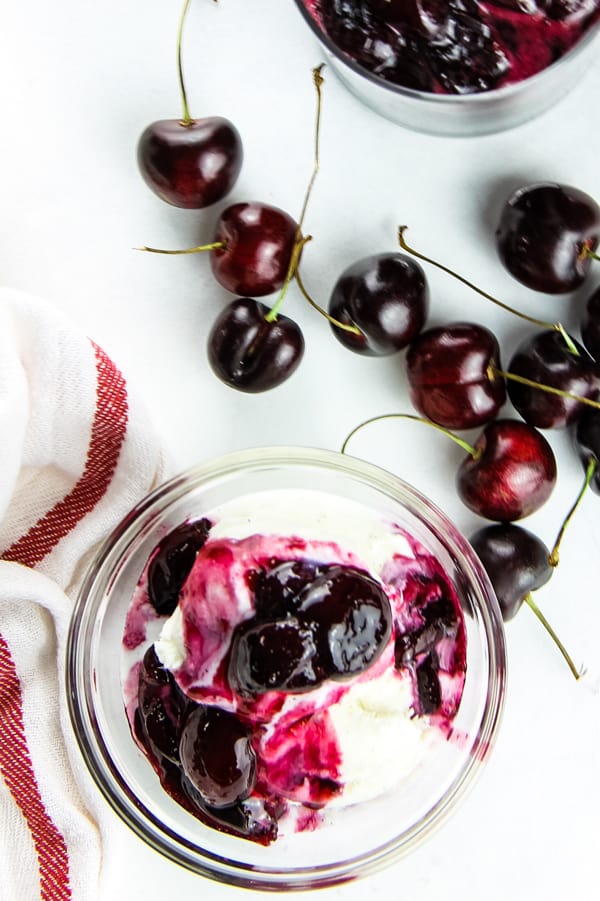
[[18, 773], [107, 436]]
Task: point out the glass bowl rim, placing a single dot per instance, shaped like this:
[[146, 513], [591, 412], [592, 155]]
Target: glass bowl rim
[[97, 755]]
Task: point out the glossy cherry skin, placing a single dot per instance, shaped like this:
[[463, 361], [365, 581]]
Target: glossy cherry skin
[[516, 562], [590, 325], [386, 296], [448, 375], [512, 473], [258, 241], [545, 358], [543, 234], [190, 165], [587, 442], [249, 353]]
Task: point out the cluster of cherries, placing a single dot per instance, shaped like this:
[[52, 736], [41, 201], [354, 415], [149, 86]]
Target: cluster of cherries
[[547, 237]]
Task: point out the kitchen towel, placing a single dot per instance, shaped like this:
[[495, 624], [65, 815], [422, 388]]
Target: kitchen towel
[[77, 451]]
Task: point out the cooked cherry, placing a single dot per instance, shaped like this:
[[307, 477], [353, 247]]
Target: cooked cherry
[[161, 707], [171, 563], [273, 656], [428, 685], [217, 756], [351, 618], [277, 587]]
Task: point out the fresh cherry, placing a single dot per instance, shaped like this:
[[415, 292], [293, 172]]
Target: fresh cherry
[[252, 248], [587, 442], [448, 371], [590, 325], [516, 561], [511, 474], [545, 360], [250, 351], [190, 163], [217, 756], [546, 236], [386, 297], [171, 563]]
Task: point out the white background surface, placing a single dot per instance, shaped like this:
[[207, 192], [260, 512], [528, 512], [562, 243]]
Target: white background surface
[[79, 81]]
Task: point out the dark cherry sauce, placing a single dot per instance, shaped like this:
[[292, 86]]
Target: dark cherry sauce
[[313, 623], [459, 47]]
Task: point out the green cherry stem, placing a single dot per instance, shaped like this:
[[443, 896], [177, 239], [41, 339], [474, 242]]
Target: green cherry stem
[[553, 557], [186, 118], [555, 326], [216, 245], [300, 240], [473, 451], [578, 673], [346, 327], [493, 372]]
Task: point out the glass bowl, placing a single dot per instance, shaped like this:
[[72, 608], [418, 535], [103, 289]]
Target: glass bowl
[[460, 114], [354, 841]]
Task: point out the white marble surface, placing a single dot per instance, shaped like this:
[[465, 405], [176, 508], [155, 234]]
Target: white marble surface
[[79, 82]]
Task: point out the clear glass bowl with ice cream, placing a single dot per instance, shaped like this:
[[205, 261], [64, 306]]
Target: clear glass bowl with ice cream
[[285, 668]]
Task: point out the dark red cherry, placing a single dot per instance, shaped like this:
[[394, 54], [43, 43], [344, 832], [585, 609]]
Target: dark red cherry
[[217, 756], [386, 297], [258, 240], [273, 656], [587, 442], [277, 588], [171, 563], [544, 235], [250, 353], [190, 164], [351, 618], [425, 16], [590, 325], [448, 369], [512, 473], [544, 358], [516, 561], [161, 707]]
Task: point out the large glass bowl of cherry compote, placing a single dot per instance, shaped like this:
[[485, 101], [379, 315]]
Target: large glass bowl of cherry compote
[[285, 668], [459, 68]]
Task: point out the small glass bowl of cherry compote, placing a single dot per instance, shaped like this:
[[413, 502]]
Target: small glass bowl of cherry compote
[[354, 575], [459, 68]]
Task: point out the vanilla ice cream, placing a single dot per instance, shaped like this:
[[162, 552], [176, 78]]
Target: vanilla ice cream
[[321, 646]]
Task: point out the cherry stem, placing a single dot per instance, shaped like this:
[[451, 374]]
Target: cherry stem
[[473, 451], [300, 241], [553, 558], [578, 673], [317, 81], [346, 327], [216, 245], [589, 253], [555, 326], [186, 119], [294, 260], [492, 371]]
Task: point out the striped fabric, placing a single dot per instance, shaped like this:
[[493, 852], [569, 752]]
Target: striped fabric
[[78, 455]]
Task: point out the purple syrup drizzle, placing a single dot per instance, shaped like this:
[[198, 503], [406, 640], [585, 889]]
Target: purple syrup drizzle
[[269, 754]]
